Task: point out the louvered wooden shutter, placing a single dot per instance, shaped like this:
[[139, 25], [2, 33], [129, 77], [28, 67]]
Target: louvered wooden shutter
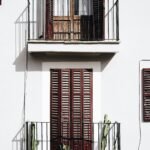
[[77, 106], [146, 95], [87, 108], [98, 19], [65, 106], [55, 116], [49, 19], [71, 108]]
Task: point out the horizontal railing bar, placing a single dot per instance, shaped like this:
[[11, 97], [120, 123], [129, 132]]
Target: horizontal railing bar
[[37, 122], [74, 123], [19, 140], [43, 140], [24, 22]]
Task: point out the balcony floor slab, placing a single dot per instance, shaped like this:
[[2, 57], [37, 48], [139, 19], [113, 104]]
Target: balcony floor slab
[[91, 47]]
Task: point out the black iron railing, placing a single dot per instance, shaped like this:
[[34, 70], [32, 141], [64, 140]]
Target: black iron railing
[[95, 20], [38, 136]]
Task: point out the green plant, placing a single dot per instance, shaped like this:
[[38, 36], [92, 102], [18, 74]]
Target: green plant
[[63, 147], [66, 147], [34, 142], [105, 131]]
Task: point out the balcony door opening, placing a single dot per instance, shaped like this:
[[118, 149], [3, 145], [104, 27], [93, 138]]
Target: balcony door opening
[[71, 108], [75, 19]]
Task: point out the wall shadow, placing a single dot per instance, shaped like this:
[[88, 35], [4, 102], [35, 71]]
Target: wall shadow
[[35, 59]]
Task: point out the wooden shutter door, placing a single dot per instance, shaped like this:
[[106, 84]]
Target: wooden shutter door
[[65, 106], [81, 117], [60, 107], [76, 109], [87, 108], [146, 95], [49, 20], [71, 108], [55, 116], [98, 19]]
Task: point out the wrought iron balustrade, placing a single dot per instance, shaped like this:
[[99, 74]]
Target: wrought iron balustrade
[[38, 136], [69, 20]]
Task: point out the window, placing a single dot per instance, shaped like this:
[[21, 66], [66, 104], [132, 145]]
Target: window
[[71, 108], [146, 94]]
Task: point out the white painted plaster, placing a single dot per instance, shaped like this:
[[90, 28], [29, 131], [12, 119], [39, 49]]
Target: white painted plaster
[[119, 78], [78, 47]]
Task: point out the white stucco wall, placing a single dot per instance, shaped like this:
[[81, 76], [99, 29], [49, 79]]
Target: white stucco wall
[[119, 92], [11, 81]]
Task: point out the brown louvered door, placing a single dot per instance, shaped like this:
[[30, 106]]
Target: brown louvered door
[[49, 20], [87, 108], [55, 117], [146, 95], [71, 108], [77, 106], [98, 19]]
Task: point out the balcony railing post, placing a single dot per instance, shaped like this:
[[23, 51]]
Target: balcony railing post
[[28, 19], [119, 136], [117, 20], [26, 134], [99, 136]]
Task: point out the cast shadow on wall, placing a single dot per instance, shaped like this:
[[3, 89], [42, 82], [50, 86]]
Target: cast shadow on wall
[[34, 60]]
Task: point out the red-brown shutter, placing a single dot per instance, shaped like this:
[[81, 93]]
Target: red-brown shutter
[[146, 94], [77, 108], [87, 108], [49, 19], [71, 108], [81, 118], [55, 116], [65, 106], [98, 19]]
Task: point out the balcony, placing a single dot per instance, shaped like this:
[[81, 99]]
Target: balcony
[[39, 136], [66, 22]]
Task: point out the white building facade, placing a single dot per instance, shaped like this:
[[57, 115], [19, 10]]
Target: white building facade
[[65, 66]]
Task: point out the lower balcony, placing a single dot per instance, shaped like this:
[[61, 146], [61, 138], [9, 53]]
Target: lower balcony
[[70, 136]]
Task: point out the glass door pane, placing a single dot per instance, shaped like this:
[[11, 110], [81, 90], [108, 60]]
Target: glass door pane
[[82, 7], [61, 7], [76, 7]]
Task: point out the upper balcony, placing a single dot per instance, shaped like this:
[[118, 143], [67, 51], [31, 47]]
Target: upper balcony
[[69, 22]]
